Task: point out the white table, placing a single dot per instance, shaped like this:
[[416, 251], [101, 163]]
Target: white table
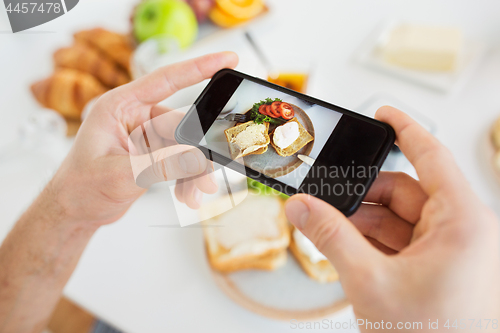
[[155, 279]]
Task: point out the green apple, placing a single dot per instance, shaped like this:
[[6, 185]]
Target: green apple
[[170, 18]]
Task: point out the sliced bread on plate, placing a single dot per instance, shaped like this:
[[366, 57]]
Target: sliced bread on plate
[[254, 234], [310, 259], [247, 138], [303, 139]]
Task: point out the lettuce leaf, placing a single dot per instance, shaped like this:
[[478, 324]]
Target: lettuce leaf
[[259, 118]]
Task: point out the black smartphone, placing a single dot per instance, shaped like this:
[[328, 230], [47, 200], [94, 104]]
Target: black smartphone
[[289, 141]]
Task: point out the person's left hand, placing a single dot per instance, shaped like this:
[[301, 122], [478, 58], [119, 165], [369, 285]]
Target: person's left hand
[[95, 183]]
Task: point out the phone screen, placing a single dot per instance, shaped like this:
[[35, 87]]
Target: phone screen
[[274, 150], [289, 141]]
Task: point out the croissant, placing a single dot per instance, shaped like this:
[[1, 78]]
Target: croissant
[[87, 59], [114, 45], [67, 91]]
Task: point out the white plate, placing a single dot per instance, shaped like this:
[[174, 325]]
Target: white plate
[[369, 55], [286, 293]]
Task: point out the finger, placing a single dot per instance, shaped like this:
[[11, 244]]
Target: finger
[[381, 224], [145, 139], [381, 247], [157, 86], [154, 140], [179, 188], [434, 164], [400, 192], [159, 110], [206, 181], [165, 121], [332, 233], [191, 195], [197, 199], [171, 163]]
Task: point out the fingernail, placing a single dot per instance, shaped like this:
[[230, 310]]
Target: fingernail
[[189, 163], [297, 213]]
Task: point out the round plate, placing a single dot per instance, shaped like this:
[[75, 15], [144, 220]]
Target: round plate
[[284, 294], [273, 165]]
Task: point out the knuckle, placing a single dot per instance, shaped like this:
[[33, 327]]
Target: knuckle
[[402, 177], [399, 175], [432, 207]]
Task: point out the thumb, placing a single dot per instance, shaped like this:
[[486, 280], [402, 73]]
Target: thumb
[[170, 163], [332, 233]]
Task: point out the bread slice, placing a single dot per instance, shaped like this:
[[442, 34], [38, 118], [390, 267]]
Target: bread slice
[[257, 147], [268, 262], [253, 235], [303, 139], [321, 271]]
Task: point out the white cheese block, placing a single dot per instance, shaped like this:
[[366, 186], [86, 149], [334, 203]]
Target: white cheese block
[[424, 47]]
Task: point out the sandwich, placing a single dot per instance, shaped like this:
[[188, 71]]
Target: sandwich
[[313, 262], [290, 137], [247, 138], [252, 235]]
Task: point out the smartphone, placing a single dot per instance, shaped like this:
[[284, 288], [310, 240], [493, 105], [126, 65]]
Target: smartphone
[[286, 140]]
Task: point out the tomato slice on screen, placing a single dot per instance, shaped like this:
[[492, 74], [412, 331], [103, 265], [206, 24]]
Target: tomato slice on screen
[[269, 111], [286, 111], [275, 109], [262, 109]]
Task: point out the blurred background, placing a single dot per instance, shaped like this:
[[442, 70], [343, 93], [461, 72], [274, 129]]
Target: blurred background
[[439, 61]]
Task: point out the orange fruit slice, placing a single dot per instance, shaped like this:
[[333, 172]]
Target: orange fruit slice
[[222, 19], [241, 9]]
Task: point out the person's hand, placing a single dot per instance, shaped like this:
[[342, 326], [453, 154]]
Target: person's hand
[[427, 250], [95, 182]]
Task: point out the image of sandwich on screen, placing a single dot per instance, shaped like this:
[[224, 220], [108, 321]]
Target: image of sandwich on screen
[[283, 138]]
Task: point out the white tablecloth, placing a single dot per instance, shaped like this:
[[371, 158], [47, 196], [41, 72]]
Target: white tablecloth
[[152, 279]]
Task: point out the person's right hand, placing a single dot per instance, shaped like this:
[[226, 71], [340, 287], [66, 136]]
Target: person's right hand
[[429, 249]]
